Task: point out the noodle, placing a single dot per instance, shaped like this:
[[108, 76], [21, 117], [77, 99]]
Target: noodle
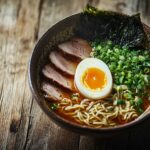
[[97, 113]]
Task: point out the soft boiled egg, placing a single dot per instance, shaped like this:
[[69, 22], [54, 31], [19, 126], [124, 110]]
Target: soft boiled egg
[[93, 78]]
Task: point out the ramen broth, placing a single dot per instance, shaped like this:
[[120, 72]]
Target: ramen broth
[[112, 110]]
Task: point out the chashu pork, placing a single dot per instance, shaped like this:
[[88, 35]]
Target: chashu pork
[[52, 92], [62, 62], [53, 74], [76, 47]]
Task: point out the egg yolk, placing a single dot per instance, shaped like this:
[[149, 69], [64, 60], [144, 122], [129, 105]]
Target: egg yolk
[[94, 79]]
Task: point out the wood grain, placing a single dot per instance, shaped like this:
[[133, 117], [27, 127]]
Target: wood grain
[[23, 125], [18, 23], [52, 12]]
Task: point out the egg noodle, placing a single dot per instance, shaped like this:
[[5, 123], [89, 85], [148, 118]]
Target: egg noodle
[[100, 113]]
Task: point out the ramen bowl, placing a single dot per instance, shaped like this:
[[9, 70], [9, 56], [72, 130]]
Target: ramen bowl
[[58, 33]]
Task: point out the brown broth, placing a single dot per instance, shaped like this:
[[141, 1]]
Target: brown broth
[[146, 104], [67, 94], [67, 117], [117, 120]]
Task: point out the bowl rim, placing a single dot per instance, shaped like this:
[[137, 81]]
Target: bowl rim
[[54, 116]]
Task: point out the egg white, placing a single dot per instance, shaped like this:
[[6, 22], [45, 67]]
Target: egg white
[[80, 70]]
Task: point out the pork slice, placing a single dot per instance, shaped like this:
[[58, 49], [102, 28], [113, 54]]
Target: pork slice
[[52, 92], [76, 47], [63, 63], [51, 73]]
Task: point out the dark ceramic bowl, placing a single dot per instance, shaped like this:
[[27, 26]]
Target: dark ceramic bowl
[[56, 34]]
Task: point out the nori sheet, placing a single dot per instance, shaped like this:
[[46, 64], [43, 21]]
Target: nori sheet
[[106, 25]]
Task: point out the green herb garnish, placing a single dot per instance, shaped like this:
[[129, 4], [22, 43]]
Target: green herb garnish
[[53, 106], [137, 103], [128, 67], [130, 70], [119, 102]]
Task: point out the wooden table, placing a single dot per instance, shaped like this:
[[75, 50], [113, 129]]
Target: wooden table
[[22, 123]]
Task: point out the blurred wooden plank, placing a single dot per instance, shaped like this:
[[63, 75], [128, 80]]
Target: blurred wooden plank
[[91, 143], [128, 7], [118, 142], [139, 138], [44, 134], [20, 127], [55, 10], [18, 23], [8, 21]]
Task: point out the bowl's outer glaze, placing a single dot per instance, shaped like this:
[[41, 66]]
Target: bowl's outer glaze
[[56, 34]]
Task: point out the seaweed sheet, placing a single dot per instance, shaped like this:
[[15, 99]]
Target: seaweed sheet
[[106, 25]]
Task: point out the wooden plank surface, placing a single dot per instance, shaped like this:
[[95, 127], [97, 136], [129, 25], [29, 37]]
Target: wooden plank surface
[[22, 123], [18, 23]]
